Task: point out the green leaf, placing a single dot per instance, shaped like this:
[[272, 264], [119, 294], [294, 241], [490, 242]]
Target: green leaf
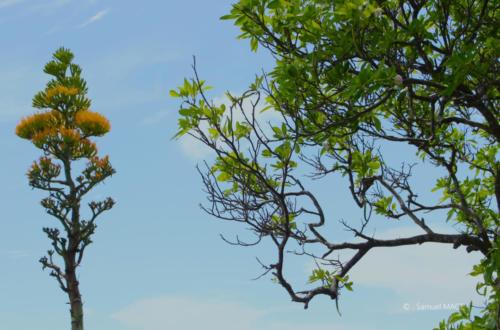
[[455, 317], [223, 177], [374, 164], [254, 44], [213, 133], [227, 17], [266, 153]]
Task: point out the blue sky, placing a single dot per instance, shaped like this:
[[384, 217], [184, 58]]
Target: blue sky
[[157, 261]]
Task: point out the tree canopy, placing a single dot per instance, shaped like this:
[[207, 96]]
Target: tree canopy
[[351, 80], [63, 133]]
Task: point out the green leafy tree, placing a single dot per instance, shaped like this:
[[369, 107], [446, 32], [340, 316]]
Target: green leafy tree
[[351, 80], [63, 133]]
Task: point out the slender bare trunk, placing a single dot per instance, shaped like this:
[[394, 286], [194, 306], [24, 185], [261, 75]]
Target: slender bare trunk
[[75, 300]]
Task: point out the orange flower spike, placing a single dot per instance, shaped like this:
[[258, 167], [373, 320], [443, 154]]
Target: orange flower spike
[[64, 137]]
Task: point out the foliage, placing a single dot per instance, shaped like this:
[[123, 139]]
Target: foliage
[[353, 79], [63, 133]]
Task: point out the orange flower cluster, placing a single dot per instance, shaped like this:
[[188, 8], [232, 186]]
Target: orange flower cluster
[[100, 162], [36, 123], [66, 135], [92, 123], [69, 136], [85, 148], [45, 162], [59, 90], [45, 169], [49, 129], [99, 168], [44, 136], [60, 138], [63, 130]]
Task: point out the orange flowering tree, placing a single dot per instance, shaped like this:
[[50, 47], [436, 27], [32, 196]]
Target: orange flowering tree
[[62, 130]]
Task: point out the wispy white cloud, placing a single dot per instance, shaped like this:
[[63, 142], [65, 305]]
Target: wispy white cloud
[[98, 16], [8, 3], [193, 313]]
